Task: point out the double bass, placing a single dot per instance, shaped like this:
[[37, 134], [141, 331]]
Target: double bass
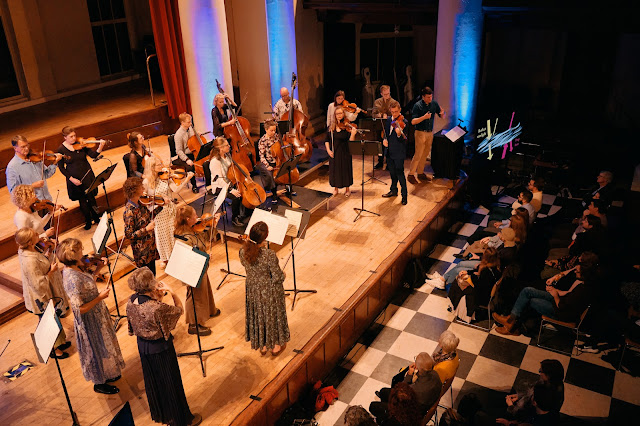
[[298, 123], [243, 150], [279, 152]]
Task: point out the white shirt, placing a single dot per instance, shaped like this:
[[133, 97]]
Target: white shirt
[[32, 220], [351, 116]]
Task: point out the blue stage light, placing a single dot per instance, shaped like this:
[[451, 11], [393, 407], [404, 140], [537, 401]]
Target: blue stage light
[[282, 44]]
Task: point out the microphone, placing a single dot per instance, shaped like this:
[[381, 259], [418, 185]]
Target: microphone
[[99, 157]]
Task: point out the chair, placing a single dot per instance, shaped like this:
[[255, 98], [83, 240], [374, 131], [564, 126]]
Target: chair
[[447, 371], [487, 307], [125, 160], [431, 413], [628, 343], [172, 147], [574, 326]]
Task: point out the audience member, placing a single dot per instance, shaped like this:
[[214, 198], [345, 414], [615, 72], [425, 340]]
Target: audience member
[[403, 407], [602, 191], [445, 356], [543, 402], [520, 405], [358, 416]]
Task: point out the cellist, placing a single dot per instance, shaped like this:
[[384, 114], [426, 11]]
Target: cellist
[[220, 163], [185, 156]]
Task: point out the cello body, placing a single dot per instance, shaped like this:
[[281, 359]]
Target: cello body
[[279, 153], [253, 194], [296, 135], [194, 143], [241, 145]]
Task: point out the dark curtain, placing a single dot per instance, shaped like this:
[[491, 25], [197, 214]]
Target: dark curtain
[[168, 38]]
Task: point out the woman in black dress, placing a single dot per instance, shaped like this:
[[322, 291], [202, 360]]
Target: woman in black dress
[[337, 145], [79, 174], [137, 154], [151, 320]]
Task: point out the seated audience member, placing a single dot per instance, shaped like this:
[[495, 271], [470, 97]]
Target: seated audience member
[[517, 222], [424, 381], [602, 191], [596, 208], [445, 356], [358, 416], [564, 305], [543, 403], [472, 289], [495, 226], [535, 186], [507, 289], [520, 405], [403, 408], [525, 199]]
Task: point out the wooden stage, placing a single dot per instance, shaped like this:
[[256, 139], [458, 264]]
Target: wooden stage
[[341, 259]]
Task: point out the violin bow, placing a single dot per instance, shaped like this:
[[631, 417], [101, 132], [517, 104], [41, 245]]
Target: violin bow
[[44, 149]]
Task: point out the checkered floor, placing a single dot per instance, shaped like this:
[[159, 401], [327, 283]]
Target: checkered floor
[[491, 364]]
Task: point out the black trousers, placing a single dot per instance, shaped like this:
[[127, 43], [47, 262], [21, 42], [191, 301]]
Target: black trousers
[[88, 207], [396, 170], [152, 266], [207, 171]]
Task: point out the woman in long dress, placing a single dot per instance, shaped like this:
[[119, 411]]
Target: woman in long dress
[[98, 347], [266, 314], [41, 282], [202, 296], [340, 162], [165, 220], [151, 320], [138, 155]]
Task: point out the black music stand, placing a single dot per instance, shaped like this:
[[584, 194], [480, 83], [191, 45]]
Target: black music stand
[[205, 150], [301, 233], [227, 271], [286, 168], [363, 148]]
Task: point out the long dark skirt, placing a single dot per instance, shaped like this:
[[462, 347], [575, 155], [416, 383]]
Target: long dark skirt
[[341, 165], [163, 384]]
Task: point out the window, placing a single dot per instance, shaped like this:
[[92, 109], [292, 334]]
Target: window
[[110, 36]]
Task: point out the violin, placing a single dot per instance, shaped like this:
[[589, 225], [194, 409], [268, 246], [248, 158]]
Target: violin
[[351, 107], [89, 142], [49, 157], [147, 200], [252, 194], [346, 125], [47, 205], [176, 174], [243, 149], [45, 245], [206, 221], [398, 123], [90, 263], [298, 123]]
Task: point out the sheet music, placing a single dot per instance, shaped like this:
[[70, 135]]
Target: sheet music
[[294, 218], [187, 265], [277, 225], [102, 231], [47, 332], [221, 197], [455, 133]]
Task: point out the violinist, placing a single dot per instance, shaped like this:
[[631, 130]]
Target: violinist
[[423, 118], [79, 174], [185, 156], [98, 348], [337, 145], [338, 100], [201, 296], [381, 110], [137, 155], [41, 282], [220, 163], [154, 185], [24, 196], [21, 171], [282, 106], [139, 225], [396, 142]]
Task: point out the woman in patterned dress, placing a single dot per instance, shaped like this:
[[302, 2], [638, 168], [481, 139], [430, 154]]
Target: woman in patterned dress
[[138, 225], [152, 320], [98, 347], [165, 220], [202, 296], [266, 315]]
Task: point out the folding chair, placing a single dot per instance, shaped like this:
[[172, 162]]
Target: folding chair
[[574, 326]]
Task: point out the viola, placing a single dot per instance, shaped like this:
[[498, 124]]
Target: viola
[[49, 157], [298, 123], [90, 263], [279, 152], [47, 205], [88, 142], [252, 194], [351, 107], [206, 221], [243, 149]]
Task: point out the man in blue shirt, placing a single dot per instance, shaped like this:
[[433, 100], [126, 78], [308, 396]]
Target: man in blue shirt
[[21, 171], [423, 118], [396, 142]]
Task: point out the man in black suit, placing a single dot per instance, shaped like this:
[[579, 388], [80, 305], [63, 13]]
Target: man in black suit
[[396, 142], [424, 381]]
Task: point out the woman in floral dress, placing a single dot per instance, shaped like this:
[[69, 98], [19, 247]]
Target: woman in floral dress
[[138, 225], [96, 340], [266, 315], [165, 220]]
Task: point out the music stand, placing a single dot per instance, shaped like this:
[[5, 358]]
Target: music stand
[[227, 272], [300, 235], [286, 168], [205, 150], [363, 148]]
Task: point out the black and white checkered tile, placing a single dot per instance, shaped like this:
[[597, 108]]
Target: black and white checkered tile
[[491, 365]]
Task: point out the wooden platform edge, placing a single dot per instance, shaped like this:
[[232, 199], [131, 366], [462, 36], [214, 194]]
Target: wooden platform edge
[[334, 340]]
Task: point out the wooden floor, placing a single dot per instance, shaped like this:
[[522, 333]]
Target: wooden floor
[[81, 109], [336, 257]]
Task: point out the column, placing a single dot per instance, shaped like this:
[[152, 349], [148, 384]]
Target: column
[[281, 33], [458, 48], [206, 50]]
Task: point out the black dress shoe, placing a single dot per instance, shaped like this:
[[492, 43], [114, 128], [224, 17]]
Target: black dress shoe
[[64, 346], [404, 201], [379, 165], [88, 225], [195, 190], [237, 222], [105, 389], [115, 379], [378, 394], [390, 194], [461, 256]]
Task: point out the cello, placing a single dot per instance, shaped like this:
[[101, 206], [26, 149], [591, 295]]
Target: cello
[[298, 123], [252, 194], [194, 143], [280, 154], [242, 148]]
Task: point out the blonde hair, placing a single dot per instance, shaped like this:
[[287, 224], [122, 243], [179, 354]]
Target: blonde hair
[[150, 173], [334, 122], [183, 117], [22, 196], [217, 96], [384, 87], [24, 237], [183, 214], [217, 144], [69, 251]]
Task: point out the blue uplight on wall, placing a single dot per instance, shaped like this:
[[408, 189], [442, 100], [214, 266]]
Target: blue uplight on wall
[[282, 44], [466, 61]]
